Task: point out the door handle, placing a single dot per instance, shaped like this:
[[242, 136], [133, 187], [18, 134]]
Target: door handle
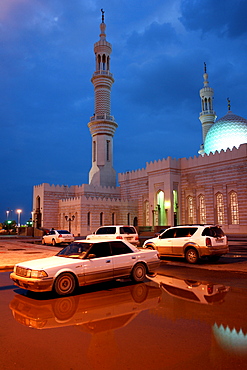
[[133, 258], [108, 261]]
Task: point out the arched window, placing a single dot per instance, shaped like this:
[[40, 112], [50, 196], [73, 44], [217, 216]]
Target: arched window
[[113, 218], [88, 219], [101, 218], [220, 208], [190, 209], [202, 209], [234, 208], [160, 208]]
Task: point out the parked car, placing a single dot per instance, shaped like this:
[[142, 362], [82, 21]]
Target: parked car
[[191, 242], [57, 237], [85, 262], [127, 233]]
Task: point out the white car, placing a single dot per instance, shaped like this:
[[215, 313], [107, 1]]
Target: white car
[[124, 232], [57, 237], [85, 262], [191, 242]]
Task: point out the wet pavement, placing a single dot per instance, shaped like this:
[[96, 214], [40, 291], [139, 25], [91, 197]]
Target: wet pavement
[[164, 323], [167, 322]]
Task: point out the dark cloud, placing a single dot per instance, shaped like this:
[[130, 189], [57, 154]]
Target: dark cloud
[[224, 17]]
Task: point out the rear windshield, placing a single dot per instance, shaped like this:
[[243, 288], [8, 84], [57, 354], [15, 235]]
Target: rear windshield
[[63, 231], [214, 231], [106, 230], [127, 230]]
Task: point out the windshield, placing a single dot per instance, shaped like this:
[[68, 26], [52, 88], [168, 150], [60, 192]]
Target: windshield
[[75, 250]]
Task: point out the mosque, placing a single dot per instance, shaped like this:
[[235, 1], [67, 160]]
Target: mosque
[[207, 189]]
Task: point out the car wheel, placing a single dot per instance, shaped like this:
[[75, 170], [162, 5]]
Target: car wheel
[[149, 246], [65, 284], [43, 241], [139, 292], [214, 258], [191, 255], [139, 272], [53, 242]]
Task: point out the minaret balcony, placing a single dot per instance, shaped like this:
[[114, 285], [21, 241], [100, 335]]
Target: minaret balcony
[[103, 72], [209, 111], [100, 117]]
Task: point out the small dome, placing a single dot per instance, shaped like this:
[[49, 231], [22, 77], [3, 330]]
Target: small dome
[[227, 132]]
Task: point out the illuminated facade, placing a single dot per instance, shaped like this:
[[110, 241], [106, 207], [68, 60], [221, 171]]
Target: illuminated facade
[[209, 189]]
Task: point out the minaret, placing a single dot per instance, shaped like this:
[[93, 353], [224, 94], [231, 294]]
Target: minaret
[[102, 125], [207, 115]]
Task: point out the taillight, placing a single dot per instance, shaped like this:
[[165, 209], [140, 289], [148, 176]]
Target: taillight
[[119, 237], [208, 242], [136, 238], [60, 236], [210, 289]]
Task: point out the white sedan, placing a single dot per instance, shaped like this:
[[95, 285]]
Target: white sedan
[[85, 262], [57, 236]]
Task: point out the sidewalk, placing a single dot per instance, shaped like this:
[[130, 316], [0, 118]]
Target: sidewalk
[[15, 251]]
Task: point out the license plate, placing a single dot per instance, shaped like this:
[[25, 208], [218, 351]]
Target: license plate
[[219, 241]]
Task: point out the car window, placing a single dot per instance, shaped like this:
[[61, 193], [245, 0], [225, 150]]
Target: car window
[[106, 230], [52, 232], [63, 231], [127, 230], [119, 247], [100, 249], [74, 249], [214, 231], [170, 233], [185, 231]]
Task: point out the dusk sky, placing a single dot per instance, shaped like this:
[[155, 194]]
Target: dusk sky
[[159, 50]]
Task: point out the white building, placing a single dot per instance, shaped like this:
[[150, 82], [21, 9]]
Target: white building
[[210, 188]]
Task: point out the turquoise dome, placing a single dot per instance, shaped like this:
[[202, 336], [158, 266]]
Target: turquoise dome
[[227, 132]]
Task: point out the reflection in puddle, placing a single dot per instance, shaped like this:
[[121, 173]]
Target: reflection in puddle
[[192, 290], [231, 339], [95, 311], [181, 323]]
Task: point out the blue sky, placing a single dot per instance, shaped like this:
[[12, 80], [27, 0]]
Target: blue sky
[[159, 47]]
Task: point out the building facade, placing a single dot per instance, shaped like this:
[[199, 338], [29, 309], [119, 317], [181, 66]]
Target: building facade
[[208, 189]]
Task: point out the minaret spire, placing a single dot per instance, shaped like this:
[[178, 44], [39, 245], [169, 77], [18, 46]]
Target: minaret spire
[[228, 104], [102, 125], [207, 115]]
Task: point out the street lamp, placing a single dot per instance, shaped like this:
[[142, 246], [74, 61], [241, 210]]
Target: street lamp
[[67, 218], [7, 214], [18, 211]]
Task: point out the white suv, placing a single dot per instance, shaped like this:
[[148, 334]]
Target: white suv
[[127, 233], [191, 242]]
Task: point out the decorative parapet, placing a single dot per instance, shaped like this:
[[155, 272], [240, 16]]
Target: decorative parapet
[[95, 200], [214, 158], [132, 175], [162, 164]]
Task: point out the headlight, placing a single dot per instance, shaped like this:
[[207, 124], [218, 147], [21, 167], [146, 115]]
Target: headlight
[[35, 274]]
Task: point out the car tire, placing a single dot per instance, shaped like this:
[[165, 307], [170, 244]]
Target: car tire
[[53, 242], [138, 273], [64, 284], [43, 241], [149, 246], [191, 255]]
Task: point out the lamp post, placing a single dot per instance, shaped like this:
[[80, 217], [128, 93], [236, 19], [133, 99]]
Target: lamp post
[[19, 216], [7, 214], [67, 218]]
